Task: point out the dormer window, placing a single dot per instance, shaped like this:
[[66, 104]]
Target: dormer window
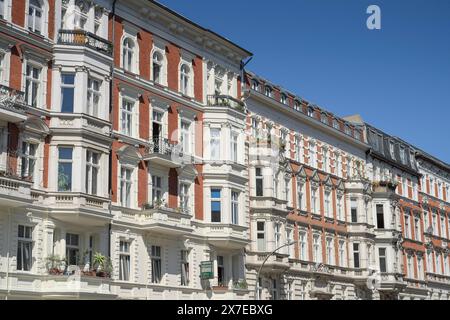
[[348, 130], [391, 149], [297, 105], [283, 99], [268, 92], [35, 16], [402, 155], [255, 85], [335, 124], [324, 118], [310, 111], [357, 135]]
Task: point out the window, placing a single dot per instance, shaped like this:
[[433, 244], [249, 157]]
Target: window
[[275, 187], [327, 204], [312, 155], [382, 259], [72, 249], [356, 255], [92, 169], [407, 226], [402, 155], [404, 187], [261, 236], [380, 216], [438, 263], [410, 271], [335, 124], [303, 247], [185, 79], [268, 92], [220, 271], [28, 159], [234, 147], [330, 253], [157, 193], [310, 112], [324, 118], [348, 130], [342, 253], [128, 54], [417, 228], [216, 206], [434, 223], [259, 182], [298, 149], [314, 200], [391, 149], [254, 127], [215, 144], [93, 97], [338, 165], [277, 234], [24, 248], [429, 262], [235, 207], [35, 16], [289, 290], [354, 210], [426, 221], [127, 117], [443, 235], [185, 276], [339, 208], [156, 264], [2, 55], [125, 186], [283, 99], [67, 92], [420, 268], [32, 85], [185, 137], [184, 195], [255, 85], [65, 169], [124, 261], [317, 253], [297, 105], [289, 239], [274, 289], [287, 192], [157, 67], [2, 9], [300, 196], [324, 159]]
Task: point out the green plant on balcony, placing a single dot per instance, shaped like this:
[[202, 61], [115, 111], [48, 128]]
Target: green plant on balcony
[[102, 265], [55, 264], [241, 284]]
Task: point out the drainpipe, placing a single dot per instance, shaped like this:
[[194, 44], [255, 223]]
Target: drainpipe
[[113, 35]]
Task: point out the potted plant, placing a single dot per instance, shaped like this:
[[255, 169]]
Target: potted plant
[[54, 264], [102, 265]]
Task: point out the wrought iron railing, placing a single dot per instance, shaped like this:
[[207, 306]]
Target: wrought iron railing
[[160, 146], [85, 38], [12, 99], [224, 101]]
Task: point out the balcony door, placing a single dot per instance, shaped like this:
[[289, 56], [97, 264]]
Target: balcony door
[[157, 130]]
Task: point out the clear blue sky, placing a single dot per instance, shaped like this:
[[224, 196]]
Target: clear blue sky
[[397, 78]]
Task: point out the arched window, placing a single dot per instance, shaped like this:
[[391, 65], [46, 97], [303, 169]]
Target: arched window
[[128, 54], [311, 111], [255, 85], [268, 91], [184, 79], [35, 16], [297, 105], [283, 99], [157, 67]]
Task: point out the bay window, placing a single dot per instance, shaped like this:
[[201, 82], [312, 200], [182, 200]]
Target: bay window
[[92, 170], [215, 144], [235, 207], [67, 92], [65, 169], [184, 196], [259, 179], [382, 259], [93, 97], [216, 204], [261, 236], [234, 147], [157, 191]]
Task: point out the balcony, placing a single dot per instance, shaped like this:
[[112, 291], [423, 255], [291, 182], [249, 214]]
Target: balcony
[[85, 39], [12, 105], [276, 263], [79, 121], [225, 236], [14, 189], [162, 152], [225, 101], [167, 221]]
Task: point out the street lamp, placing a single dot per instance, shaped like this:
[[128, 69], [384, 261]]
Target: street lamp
[[262, 265]]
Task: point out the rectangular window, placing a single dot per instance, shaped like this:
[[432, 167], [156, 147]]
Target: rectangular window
[[157, 193], [330, 253], [327, 204], [340, 211], [216, 212], [32, 85], [185, 275], [259, 182], [277, 234], [234, 147], [2, 9], [72, 249], [410, 271], [220, 271], [443, 235], [274, 289], [382, 259], [127, 117], [303, 246], [156, 264], [402, 155], [314, 200], [35, 16], [380, 216], [312, 155], [64, 169], [235, 207], [24, 248], [184, 137], [124, 261], [289, 291], [28, 159], [184, 196], [92, 169], [438, 263], [434, 223], [317, 252], [407, 226], [325, 160], [2, 56], [300, 196], [67, 92], [420, 268], [417, 228], [354, 210], [215, 144], [93, 97], [356, 255], [298, 149], [261, 235], [391, 149], [125, 186], [287, 192], [338, 165]]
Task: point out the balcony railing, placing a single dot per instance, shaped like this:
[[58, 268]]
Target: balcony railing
[[87, 39], [160, 146], [12, 99], [224, 101]]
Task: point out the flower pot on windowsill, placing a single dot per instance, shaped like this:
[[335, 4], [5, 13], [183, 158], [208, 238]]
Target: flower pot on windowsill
[[220, 288], [55, 272]]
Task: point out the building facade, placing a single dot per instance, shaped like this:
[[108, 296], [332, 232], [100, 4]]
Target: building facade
[[134, 147]]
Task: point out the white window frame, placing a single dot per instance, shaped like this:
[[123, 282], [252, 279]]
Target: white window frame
[[94, 97], [92, 167], [124, 200], [156, 260], [22, 242], [186, 78], [124, 257], [30, 81], [214, 144], [303, 245], [235, 195]]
